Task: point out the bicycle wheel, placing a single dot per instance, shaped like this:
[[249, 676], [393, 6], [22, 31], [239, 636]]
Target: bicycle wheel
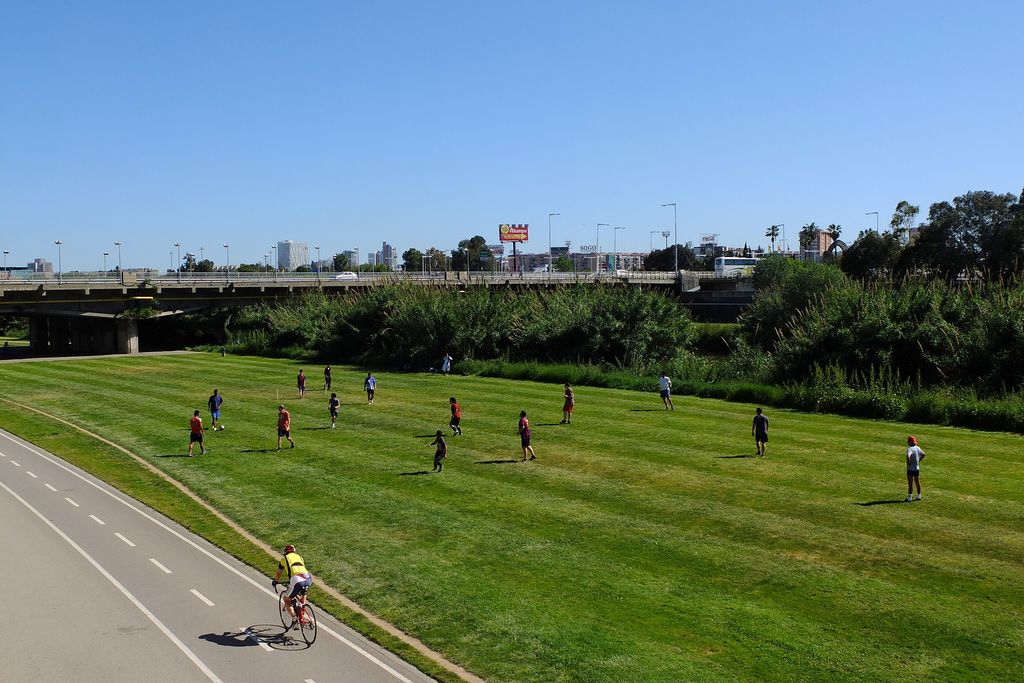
[[308, 624], [282, 609]]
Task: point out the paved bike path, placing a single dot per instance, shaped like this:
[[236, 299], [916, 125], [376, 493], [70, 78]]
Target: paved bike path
[[118, 592]]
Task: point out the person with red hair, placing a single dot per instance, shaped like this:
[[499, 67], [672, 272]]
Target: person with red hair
[[914, 457]]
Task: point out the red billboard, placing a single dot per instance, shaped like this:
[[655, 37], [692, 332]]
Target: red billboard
[[509, 232]]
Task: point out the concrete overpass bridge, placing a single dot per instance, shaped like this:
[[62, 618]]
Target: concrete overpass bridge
[[76, 313]]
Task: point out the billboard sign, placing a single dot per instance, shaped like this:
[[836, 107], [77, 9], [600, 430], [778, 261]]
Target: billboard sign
[[709, 238], [508, 232]]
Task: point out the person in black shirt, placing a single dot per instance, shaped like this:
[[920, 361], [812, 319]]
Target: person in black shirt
[[333, 407], [441, 453], [327, 378], [760, 431]]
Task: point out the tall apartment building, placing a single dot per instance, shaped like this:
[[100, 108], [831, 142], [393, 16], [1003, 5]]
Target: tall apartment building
[[291, 255]]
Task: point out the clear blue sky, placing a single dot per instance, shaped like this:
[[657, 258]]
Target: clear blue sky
[[347, 123]]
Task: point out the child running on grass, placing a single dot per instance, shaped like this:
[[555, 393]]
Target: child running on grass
[[332, 406], [759, 430], [301, 382], [567, 407], [914, 457], [441, 453], [525, 436], [195, 436], [454, 423]]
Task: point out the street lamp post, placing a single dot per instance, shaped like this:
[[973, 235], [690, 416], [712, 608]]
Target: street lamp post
[[675, 229], [277, 261], [615, 244], [783, 226], [60, 266], [666, 234], [266, 262], [317, 247], [227, 263], [120, 272], [178, 245], [6, 252], [551, 264], [105, 255], [875, 214], [597, 248]]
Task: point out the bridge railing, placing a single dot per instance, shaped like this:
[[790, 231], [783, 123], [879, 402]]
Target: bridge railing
[[141, 277]]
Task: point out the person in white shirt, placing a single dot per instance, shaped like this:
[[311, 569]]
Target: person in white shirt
[[666, 391], [914, 457]]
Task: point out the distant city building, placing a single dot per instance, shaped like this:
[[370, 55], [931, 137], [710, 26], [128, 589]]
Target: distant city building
[[40, 265], [352, 256], [387, 256], [291, 255]]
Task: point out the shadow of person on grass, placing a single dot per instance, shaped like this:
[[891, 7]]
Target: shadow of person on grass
[[548, 424], [412, 474], [880, 502], [174, 455], [424, 436], [647, 410], [258, 450], [312, 429], [493, 462], [732, 457]]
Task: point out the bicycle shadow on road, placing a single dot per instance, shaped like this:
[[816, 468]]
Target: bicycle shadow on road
[[271, 635]]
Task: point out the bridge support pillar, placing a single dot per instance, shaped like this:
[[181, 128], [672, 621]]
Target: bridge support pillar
[[39, 334], [127, 335]]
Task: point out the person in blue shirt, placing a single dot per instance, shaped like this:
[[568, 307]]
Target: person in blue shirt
[[214, 403]]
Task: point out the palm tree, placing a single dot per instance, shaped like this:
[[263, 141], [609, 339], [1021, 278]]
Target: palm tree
[[772, 232], [834, 230]]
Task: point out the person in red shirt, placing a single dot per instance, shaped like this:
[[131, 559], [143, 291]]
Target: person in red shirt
[[284, 426], [195, 435], [456, 417], [525, 436]]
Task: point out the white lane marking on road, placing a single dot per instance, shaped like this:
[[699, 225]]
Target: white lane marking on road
[[202, 597], [98, 520], [309, 680], [130, 544], [266, 591], [73, 502], [50, 487], [160, 566], [34, 476], [16, 463], [117, 584], [255, 639]]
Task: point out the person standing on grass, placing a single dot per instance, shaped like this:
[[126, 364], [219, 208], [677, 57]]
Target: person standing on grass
[[666, 391], [446, 363], [760, 431], [454, 423], [195, 436], [301, 382], [215, 401], [370, 384], [525, 435], [327, 378], [441, 453], [332, 406], [914, 457], [567, 407], [284, 426]]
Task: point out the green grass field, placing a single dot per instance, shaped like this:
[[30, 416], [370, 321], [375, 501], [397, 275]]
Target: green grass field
[[641, 546]]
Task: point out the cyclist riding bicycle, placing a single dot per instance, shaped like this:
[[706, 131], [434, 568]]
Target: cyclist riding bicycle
[[299, 580]]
